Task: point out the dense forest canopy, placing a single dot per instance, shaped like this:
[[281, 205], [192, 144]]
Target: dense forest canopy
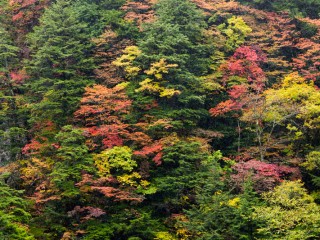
[[159, 119]]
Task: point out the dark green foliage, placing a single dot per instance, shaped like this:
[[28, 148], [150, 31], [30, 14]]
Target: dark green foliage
[[185, 168], [143, 162], [221, 215], [58, 98], [13, 213], [60, 26], [8, 52], [176, 36], [11, 141], [307, 30], [305, 8], [61, 53], [12, 118], [128, 223], [124, 29], [72, 159]]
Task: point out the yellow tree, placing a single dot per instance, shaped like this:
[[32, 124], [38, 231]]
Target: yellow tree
[[293, 104], [290, 213]]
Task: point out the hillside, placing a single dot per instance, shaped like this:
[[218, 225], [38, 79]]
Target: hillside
[[159, 119]]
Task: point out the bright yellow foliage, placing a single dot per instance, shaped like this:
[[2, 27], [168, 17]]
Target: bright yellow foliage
[[164, 236], [313, 161], [126, 61], [158, 68], [117, 159], [295, 97], [129, 179], [236, 31], [155, 83], [290, 213], [234, 202], [118, 162], [35, 169]]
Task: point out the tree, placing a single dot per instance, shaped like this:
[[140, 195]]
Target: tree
[[296, 7], [176, 37], [60, 44], [185, 167], [244, 81], [24, 16], [103, 111], [219, 214], [70, 160], [13, 213], [311, 166], [235, 31], [61, 53], [290, 213], [294, 104], [156, 83], [263, 176]]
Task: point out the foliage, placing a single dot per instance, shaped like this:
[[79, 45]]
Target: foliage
[[220, 215], [126, 61], [235, 31], [175, 36], [13, 213], [117, 158], [154, 85], [297, 7], [12, 134], [167, 119], [184, 168], [48, 59], [290, 213]]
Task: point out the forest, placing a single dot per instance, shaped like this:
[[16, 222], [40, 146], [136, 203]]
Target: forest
[[159, 119]]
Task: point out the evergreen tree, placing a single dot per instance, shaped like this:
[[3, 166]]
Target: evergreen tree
[[299, 8], [221, 214], [185, 168], [61, 55], [13, 213], [177, 38], [60, 45]]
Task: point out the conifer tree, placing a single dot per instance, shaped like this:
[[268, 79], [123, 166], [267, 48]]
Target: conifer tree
[[176, 42], [13, 213], [61, 55]]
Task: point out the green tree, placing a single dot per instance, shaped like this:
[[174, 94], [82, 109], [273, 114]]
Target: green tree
[[72, 159], [235, 32], [312, 168], [176, 36], [176, 39], [185, 168], [61, 54], [60, 45], [289, 213], [13, 213], [219, 214]]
